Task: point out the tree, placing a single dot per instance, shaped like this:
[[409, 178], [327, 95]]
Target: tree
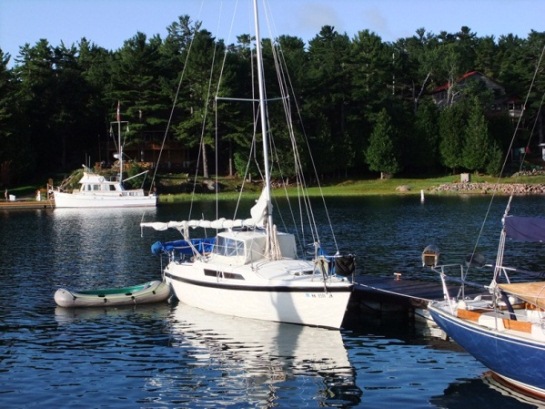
[[381, 155], [135, 72], [36, 103], [72, 95], [416, 59], [421, 149], [95, 64], [477, 143], [57, 100], [14, 146], [371, 73], [325, 102], [451, 131], [202, 76], [495, 160]]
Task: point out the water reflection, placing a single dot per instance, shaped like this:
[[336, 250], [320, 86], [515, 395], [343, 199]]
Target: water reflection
[[483, 392], [524, 401], [121, 314], [100, 246], [261, 359]]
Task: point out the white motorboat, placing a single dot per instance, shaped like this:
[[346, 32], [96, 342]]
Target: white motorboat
[[97, 192]]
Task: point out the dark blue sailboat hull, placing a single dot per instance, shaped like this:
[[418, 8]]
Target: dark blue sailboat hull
[[517, 360]]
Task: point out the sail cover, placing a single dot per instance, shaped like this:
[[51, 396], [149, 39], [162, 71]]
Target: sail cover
[[532, 292], [525, 228], [258, 213]]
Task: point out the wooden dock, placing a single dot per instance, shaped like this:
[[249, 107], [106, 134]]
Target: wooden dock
[[399, 299], [397, 290], [26, 204]]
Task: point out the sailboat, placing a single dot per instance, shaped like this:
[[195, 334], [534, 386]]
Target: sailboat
[[503, 328], [249, 269], [97, 192]]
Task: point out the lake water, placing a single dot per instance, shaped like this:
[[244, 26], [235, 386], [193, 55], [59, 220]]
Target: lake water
[[171, 355]]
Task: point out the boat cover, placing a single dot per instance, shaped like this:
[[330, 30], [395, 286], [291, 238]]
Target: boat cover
[[258, 212], [184, 246], [525, 228], [532, 292]]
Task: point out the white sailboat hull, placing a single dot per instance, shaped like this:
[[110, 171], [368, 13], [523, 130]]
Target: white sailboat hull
[[304, 300], [126, 198]]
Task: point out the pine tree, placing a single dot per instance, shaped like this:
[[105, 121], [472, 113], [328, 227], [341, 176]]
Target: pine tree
[[477, 144], [451, 131], [381, 153]]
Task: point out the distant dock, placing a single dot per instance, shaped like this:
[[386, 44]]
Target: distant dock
[[21, 204]]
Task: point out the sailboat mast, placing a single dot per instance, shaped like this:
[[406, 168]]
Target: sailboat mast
[[263, 115], [120, 150]]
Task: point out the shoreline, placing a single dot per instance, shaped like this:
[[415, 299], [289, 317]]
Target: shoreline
[[454, 188], [489, 188]]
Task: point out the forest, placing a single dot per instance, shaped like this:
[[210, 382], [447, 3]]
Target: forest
[[367, 105]]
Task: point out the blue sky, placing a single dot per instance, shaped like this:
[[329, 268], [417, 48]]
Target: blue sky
[[107, 23]]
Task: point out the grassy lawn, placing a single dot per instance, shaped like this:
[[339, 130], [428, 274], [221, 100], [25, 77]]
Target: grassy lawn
[[365, 187]]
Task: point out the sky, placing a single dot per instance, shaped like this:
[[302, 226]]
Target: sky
[[108, 23]]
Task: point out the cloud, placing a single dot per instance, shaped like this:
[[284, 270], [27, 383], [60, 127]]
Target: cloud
[[377, 21], [313, 16]]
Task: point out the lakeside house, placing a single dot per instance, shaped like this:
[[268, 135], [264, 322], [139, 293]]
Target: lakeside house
[[450, 93]]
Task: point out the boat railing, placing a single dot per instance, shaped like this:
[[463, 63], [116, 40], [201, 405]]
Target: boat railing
[[494, 301], [507, 271], [456, 273]]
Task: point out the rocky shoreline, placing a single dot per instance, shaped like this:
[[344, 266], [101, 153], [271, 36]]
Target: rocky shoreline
[[489, 188]]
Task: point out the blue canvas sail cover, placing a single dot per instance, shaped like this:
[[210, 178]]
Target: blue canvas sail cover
[[525, 228], [183, 246]]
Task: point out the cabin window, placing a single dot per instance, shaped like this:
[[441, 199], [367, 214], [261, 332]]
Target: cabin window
[[228, 276], [211, 273], [233, 276]]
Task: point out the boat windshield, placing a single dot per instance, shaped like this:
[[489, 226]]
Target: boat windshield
[[225, 246]]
